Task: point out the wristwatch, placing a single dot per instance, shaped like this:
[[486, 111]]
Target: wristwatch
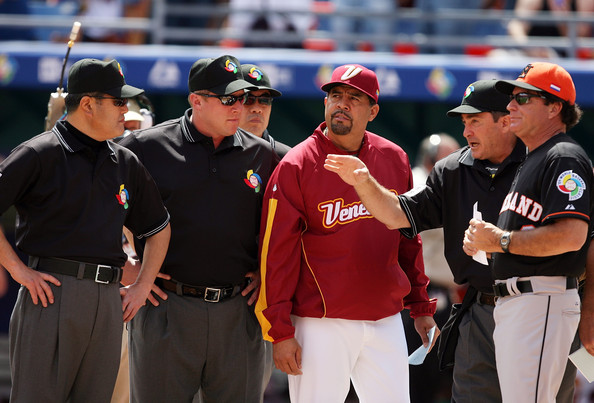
[[504, 241]]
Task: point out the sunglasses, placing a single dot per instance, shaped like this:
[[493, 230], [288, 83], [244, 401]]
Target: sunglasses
[[119, 102], [522, 98], [226, 100], [262, 100]]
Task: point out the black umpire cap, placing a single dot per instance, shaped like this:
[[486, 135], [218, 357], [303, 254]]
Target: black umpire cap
[[222, 76], [481, 96], [92, 75], [257, 77]]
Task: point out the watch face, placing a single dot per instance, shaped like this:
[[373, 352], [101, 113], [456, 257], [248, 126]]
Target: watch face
[[504, 241]]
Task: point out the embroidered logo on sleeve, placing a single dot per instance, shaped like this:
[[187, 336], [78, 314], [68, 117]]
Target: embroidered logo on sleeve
[[253, 180], [123, 196], [571, 184]]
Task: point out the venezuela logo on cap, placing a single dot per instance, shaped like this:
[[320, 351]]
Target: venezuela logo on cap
[[253, 180], [255, 73], [571, 184], [123, 196], [230, 66]]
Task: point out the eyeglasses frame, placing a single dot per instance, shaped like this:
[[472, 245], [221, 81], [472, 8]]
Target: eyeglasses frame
[[234, 98]]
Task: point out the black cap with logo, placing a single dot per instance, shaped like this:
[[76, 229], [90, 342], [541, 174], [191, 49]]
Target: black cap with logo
[[221, 76], [92, 75], [481, 96], [257, 77]]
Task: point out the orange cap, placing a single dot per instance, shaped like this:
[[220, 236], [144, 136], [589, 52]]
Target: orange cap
[[542, 77]]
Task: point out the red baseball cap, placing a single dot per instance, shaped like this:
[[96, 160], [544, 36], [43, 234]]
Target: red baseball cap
[[356, 76], [542, 77]]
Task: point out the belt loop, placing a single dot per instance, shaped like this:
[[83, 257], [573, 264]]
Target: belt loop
[[81, 271], [33, 262], [512, 286], [118, 274], [179, 288]]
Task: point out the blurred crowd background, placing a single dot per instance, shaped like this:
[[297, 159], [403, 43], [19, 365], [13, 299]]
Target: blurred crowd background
[[543, 28]]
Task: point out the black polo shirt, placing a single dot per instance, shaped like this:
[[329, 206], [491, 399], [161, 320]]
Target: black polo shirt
[[454, 185], [215, 208], [69, 197], [280, 148]]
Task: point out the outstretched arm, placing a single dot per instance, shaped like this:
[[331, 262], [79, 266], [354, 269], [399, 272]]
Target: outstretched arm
[[379, 201]]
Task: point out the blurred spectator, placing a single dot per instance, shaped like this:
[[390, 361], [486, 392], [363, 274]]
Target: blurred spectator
[[436, 386], [522, 30], [274, 16], [447, 27], [137, 9], [112, 9], [379, 28], [432, 149], [192, 20]]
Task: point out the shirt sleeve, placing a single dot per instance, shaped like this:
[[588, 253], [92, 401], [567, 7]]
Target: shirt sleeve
[[423, 206], [410, 258], [566, 189], [280, 252], [18, 172]]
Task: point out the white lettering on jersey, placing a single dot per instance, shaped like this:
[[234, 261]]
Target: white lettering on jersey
[[526, 207], [350, 72], [335, 212]]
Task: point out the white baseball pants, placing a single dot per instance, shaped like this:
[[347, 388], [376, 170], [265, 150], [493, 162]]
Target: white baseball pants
[[533, 336], [371, 353]]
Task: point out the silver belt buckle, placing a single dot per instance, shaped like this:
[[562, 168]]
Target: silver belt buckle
[[215, 292], [99, 267]]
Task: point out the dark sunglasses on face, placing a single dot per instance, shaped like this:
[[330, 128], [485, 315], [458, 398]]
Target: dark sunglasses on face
[[262, 100], [522, 98], [119, 102], [226, 100]]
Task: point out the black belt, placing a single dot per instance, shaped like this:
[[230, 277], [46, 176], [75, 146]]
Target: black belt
[[209, 294], [524, 286], [100, 273], [487, 299]]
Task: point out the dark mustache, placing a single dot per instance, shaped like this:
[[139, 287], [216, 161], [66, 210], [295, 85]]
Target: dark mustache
[[342, 113]]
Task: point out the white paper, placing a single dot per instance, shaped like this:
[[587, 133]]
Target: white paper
[[418, 356], [584, 362], [481, 255]]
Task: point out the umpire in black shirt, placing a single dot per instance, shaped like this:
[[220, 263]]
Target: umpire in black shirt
[[212, 179], [74, 191]]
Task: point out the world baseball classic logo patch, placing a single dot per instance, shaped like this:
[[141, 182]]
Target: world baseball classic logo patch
[[253, 180], [571, 184], [123, 196]]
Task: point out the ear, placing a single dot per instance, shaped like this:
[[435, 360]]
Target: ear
[[504, 122], [555, 109], [86, 105], [194, 100], [373, 112]]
